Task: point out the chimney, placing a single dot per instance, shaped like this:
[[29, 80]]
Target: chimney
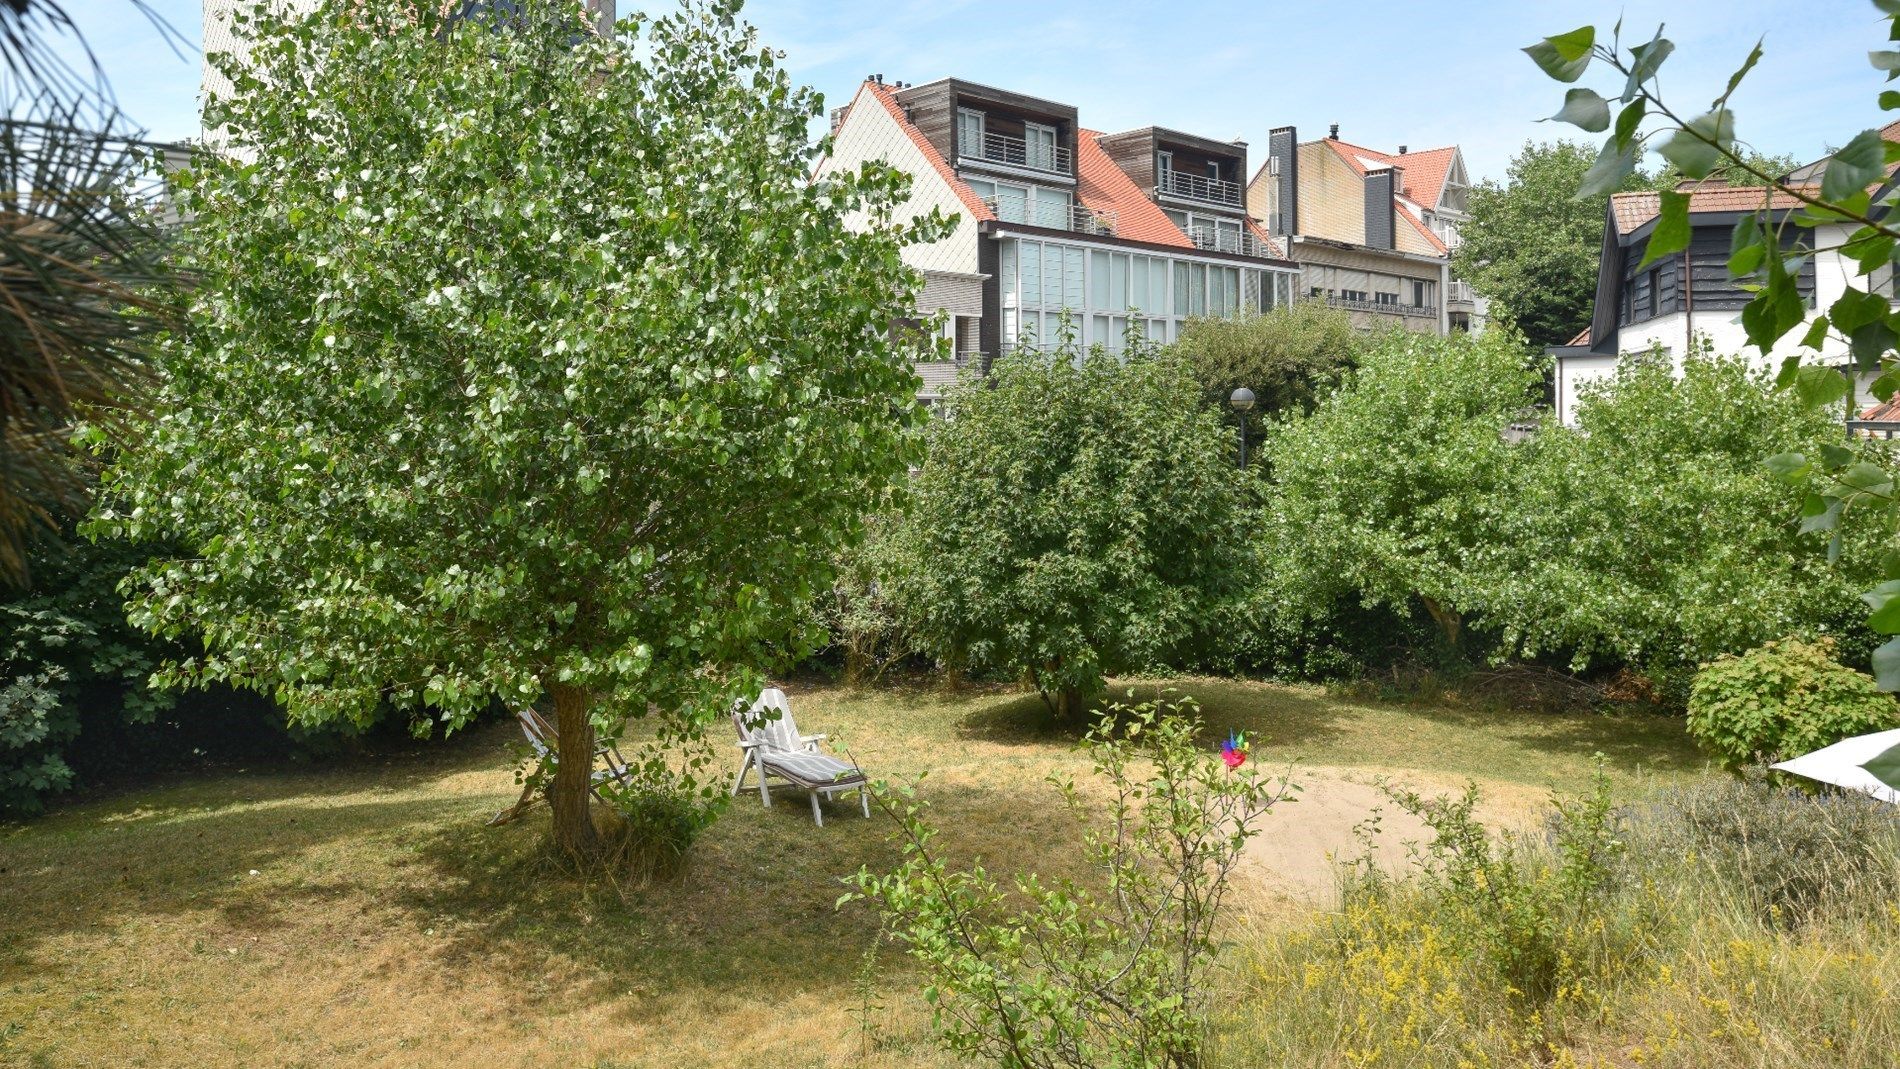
[[1334, 132], [1283, 145], [838, 116], [604, 12], [1381, 212], [1401, 150]]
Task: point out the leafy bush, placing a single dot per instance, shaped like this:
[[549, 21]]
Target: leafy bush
[[1396, 489], [1078, 515], [1652, 535], [866, 625], [1057, 974], [1782, 700], [65, 645], [1780, 855], [1289, 357]]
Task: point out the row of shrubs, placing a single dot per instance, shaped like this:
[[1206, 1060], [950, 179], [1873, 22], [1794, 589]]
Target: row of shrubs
[[1084, 515]]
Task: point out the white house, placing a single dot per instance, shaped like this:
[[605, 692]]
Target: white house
[[1689, 296]]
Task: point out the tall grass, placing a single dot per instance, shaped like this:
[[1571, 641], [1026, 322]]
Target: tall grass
[[1739, 925]]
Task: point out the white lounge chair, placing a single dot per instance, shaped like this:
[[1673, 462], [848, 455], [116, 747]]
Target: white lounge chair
[[542, 739], [774, 748]]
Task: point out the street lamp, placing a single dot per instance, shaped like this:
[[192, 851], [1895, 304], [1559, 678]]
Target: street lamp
[[1242, 400]]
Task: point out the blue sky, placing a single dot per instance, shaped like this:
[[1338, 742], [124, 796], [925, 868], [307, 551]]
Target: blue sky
[[1390, 73]]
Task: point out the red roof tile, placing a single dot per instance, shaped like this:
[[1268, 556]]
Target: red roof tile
[[1632, 210], [1425, 170], [884, 95], [1103, 187], [1582, 338]]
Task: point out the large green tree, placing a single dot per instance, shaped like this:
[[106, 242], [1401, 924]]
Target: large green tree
[[1394, 490], [1531, 246], [523, 362], [1288, 357], [1078, 516]]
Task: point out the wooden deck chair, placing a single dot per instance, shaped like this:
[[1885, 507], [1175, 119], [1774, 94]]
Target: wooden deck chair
[[774, 749], [542, 738]]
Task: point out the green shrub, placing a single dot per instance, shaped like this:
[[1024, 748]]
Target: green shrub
[[65, 645], [1289, 357], [1397, 489], [1652, 535], [1782, 700], [1079, 515]]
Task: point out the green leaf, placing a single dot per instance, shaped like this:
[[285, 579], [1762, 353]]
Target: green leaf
[[1867, 478], [1835, 457], [1819, 386], [1854, 167], [1648, 60], [1754, 57], [1583, 108], [1824, 520], [1885, 766], [1886, 664], [1628, 120], [1565, 56], [1817, 333], [1790, 468], [1889, 99], [1697, 148], [1606, 175], [1671, 234], [1882, 61]]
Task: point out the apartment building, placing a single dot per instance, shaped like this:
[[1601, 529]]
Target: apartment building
[[1371, 231], [1139, 230]]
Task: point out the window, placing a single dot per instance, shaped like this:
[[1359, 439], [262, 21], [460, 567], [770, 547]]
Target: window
[[1353, 295], [969, 133], [1039, 146], [1051, 209], [1213, 170], [1164, 162], [1419, 293], [1655, 291]]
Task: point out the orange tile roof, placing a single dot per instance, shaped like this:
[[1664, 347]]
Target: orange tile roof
[[1632, 210], [1102, 186], [1425, 170], [884, 94], [1424, 231], [1582, 338], [1884, 412], [1272, 247]]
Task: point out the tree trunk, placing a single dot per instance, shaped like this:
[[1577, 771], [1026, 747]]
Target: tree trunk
[[1447, 620], [571, 794], [1068, 705]]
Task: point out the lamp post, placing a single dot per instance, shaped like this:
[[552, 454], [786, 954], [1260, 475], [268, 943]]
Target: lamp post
[[1242, 400]]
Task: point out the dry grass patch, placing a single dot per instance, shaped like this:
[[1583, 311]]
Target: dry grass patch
[[384, 926]]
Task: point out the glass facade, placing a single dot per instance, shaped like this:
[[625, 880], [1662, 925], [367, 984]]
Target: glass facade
[[1104, 291]]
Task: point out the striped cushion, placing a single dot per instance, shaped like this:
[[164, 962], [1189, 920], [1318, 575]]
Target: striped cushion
[[810, 769]]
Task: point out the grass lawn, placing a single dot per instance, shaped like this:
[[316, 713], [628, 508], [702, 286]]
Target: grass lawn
[[361, 915]]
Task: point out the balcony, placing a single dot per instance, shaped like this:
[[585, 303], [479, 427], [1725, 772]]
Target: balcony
[[1199, 187], [1459, 293], [1241, 242], [1071, 217], [1016, 152], [1391, 307]]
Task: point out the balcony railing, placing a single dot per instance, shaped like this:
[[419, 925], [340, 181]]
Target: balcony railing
[[1016, 152], [1071, 217], [1459, 293], [1235, 241], [1388, 307], [1199, 187]]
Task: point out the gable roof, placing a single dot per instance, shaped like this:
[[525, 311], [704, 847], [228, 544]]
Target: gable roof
[[1630, 211], [1424, 231], [1425, 170], [886, 96], [1102, 186]]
